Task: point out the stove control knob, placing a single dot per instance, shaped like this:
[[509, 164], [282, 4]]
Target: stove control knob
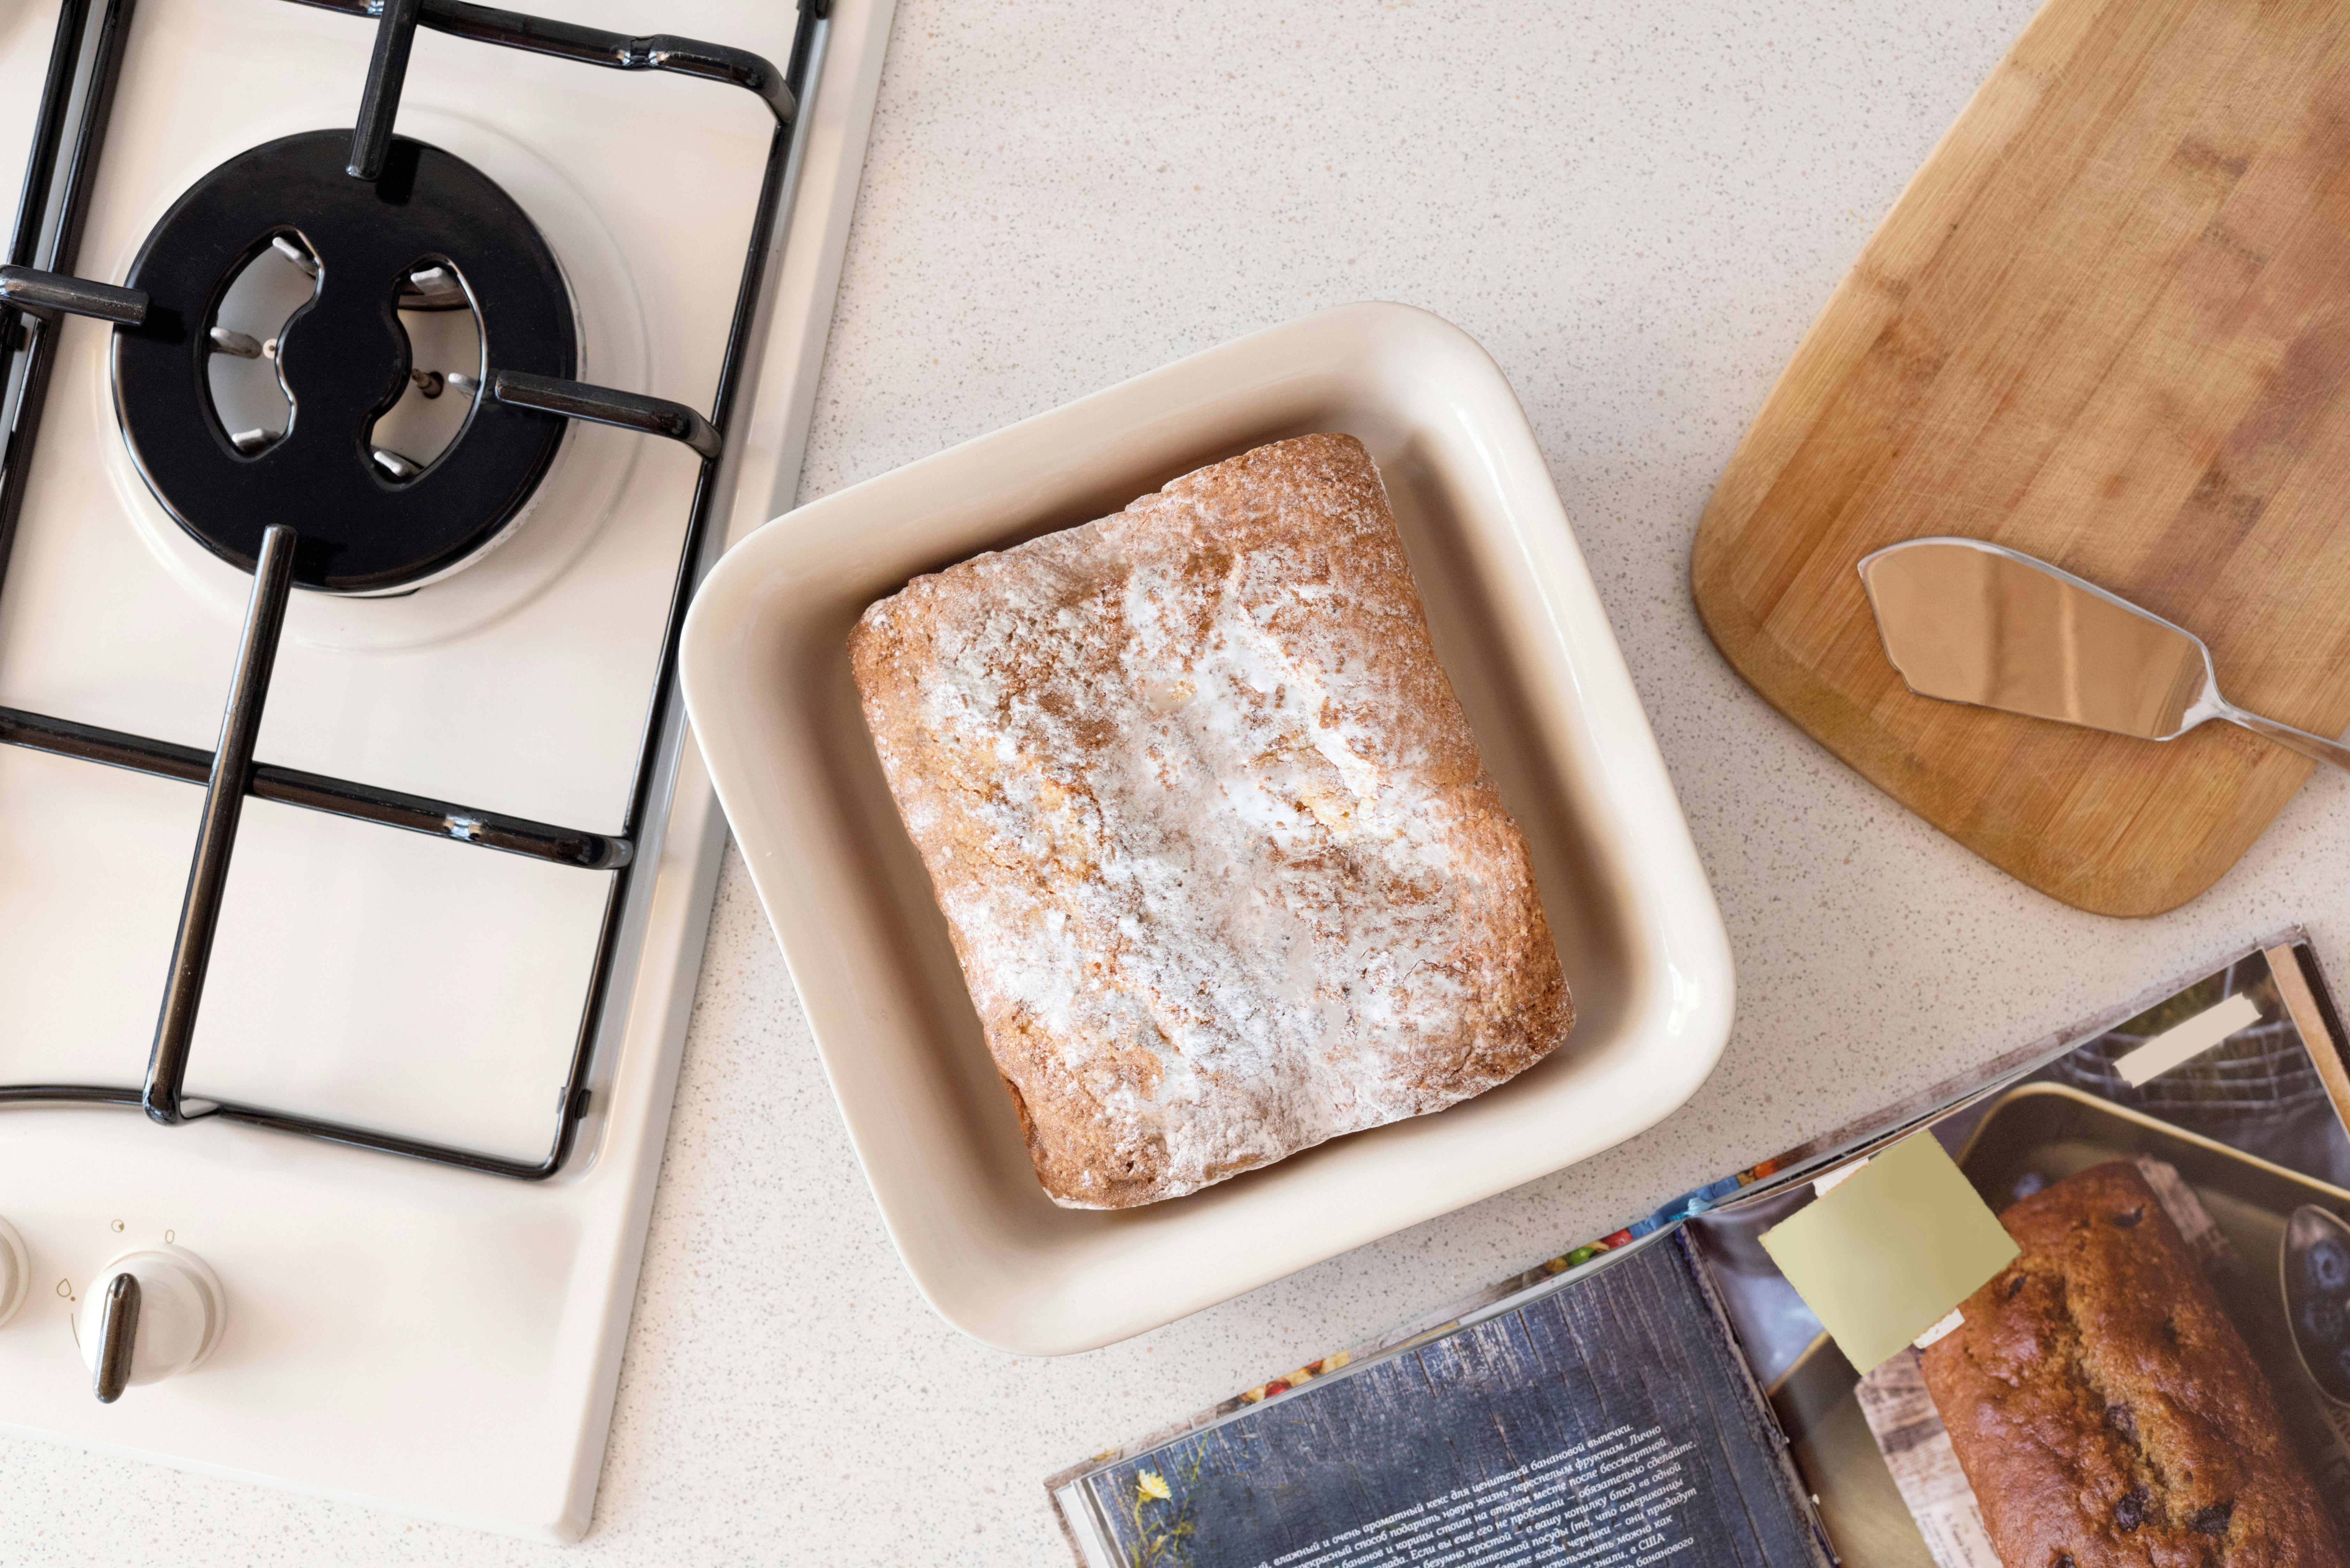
[[152, 1313], [16, 1270]]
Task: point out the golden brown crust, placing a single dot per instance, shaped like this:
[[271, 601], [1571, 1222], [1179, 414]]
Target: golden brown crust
[[1223, 867], [2106, 1410]]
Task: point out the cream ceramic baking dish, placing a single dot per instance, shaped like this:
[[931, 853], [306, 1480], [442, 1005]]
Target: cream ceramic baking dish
[[1521, 632]]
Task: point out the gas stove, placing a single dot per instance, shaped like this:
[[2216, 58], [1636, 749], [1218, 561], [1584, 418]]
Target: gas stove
[[382, 376]]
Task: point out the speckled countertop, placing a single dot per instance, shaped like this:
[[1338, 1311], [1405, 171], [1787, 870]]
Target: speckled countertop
[[1638, 206]]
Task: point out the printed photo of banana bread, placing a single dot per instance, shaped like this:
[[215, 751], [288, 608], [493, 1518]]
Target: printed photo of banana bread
[[2104, 1409], [1219, 854]]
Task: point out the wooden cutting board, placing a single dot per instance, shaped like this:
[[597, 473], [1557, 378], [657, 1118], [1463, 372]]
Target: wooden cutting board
[[2108, 324]]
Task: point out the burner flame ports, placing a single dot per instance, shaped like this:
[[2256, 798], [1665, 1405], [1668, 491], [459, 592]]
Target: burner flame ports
[[255, 406], [436, 309], [249, 395]]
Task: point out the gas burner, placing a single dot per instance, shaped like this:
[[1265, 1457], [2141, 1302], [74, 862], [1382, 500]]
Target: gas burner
[[429, 232], [381, 225]]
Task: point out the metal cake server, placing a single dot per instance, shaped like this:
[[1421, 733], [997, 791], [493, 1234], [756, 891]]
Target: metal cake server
[[1970, 622]]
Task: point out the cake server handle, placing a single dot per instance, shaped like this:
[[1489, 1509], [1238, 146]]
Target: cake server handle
[[2316, 747]]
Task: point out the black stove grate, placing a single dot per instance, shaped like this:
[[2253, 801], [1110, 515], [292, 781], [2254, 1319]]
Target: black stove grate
[[37, 287]]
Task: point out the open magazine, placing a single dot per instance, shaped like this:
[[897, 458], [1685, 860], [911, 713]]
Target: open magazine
[[2166, 1314]]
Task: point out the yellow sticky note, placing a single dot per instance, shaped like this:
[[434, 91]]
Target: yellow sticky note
[[1886, 1255]]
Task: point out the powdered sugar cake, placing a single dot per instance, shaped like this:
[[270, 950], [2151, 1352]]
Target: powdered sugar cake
[[1225, 873]]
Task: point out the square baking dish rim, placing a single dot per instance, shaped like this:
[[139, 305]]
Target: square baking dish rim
[[765, 676]]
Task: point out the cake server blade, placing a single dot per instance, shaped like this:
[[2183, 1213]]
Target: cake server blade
[[1966, 621]]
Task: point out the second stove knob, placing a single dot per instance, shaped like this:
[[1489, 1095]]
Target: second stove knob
[[153, 1313]]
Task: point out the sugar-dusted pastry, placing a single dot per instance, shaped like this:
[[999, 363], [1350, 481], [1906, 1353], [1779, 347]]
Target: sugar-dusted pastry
[[1224, 869]]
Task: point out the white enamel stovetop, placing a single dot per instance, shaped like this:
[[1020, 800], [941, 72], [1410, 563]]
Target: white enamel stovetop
[[437, 1340]]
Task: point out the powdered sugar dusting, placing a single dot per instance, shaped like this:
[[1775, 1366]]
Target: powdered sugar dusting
[[1225, 874]]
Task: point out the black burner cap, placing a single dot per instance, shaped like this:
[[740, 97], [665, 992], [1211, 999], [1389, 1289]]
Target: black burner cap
[[345, 360]]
